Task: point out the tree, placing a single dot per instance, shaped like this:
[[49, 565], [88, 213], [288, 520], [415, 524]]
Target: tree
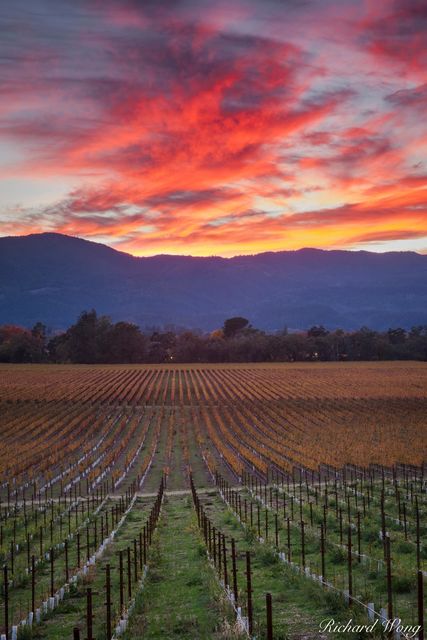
[[127, 343], [39, 331], [189, 348], [58, 348], [418, 331], [366, 345], [19, 345], [317, 332], [232, 326], [87, 340], [95, 339], [161, 346], [396, 336]]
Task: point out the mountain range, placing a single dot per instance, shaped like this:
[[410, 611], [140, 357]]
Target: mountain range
[[51, 278]]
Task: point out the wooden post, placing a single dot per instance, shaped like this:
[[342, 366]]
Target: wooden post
[[140, 552], [66, 561], [389, 578], [219, 553], [87, 544], [224, 557], [322, 552], [276, 531], [28, 551], [135, 560], [418, 541], [358, 537], [78, 550], [12, 556], [249, 591], [89, 615], [420, 605], [405, 524], [269, 616], [52, 560], [129, 574], [383, 525], [302, 545], [6, 600], [33, 584], [108, 599], [350, 572], [121, 583], [234, 565]]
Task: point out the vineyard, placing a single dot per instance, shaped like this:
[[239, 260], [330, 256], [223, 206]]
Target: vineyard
[[213, 501]]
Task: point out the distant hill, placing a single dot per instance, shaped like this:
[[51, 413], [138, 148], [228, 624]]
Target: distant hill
[[52, 278]]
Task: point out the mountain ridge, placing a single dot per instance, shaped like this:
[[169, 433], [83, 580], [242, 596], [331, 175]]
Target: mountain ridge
[[52, 277], [55, 234]]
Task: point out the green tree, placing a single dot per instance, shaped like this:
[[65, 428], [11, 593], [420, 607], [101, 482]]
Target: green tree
[[126, 343], [232, 326], [87, 340]]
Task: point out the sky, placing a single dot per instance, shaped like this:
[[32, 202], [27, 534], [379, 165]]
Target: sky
[[215, 128]]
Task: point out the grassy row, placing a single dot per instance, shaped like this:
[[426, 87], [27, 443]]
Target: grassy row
[[71, 612], [369, 573], [299, 604], [182, 598]]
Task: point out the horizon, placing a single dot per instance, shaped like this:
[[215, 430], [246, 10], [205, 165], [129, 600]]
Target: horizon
[[223, 257], [192, 129]]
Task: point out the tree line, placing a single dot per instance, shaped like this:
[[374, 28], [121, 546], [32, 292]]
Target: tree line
[[96, 339]]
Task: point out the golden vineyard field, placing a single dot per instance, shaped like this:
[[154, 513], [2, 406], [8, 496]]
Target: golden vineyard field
[[313, 473], [114, 423]]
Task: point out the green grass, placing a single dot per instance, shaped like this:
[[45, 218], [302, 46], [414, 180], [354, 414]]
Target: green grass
[[299, 604], [20, 593], [72, 611], [181, 598]]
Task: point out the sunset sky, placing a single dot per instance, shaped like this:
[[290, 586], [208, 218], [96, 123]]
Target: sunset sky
[[227, 127]]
